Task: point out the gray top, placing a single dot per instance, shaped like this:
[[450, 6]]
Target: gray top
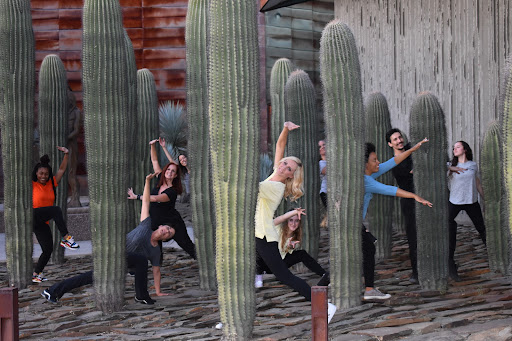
[[323, 178], [463, 185], [139, 241]]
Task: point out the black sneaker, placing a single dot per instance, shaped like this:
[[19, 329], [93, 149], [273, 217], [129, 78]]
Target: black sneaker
[[46, 294], [325, 280], [147, 300]]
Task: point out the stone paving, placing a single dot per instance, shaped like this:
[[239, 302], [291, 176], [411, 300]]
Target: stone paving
[[477, 308]]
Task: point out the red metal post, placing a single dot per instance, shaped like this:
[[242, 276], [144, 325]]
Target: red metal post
[[319, 313], [9, 325]]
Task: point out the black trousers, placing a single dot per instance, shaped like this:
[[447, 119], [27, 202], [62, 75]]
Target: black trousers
[[269, 254], [44, 234], [409, 212], [475, 214], [323, 196], [181, 237], [368, 241], [298, 256], [134, 261]]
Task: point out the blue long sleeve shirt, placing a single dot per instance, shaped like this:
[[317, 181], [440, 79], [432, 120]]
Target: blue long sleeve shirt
[[373, 186]]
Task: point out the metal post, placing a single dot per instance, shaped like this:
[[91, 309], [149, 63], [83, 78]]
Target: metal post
[[9, 324], [319, 313]]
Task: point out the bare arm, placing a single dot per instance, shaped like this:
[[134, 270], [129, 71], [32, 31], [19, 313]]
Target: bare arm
[[282, 218], [63, 164], [154, 157], [281, 141], [144, 211], [402, 156], [157, 277], [166, 152], [404, 194], [152, 198]]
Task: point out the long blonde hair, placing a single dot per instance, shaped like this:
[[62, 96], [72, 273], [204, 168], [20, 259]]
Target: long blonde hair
[[294, 187]]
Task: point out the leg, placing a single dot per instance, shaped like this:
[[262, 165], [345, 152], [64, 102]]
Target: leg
[[44, 237], [52, 212], [139, 263], [261, 267], [368, 257], [453, 210], [59, 289], [301, 256], [475, 213], [323, 196], [181, 237], [409, 212], [269, 252]]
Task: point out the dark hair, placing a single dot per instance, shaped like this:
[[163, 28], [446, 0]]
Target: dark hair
[[183, 169], [369, 148], [467, 150], [296, 235], [44, 163], [391, 132], [176, 182]]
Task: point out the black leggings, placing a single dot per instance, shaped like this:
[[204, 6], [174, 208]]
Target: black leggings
[[181, 237], [368, 241], [409, 212], [44, 234], [475, 214], [298, 256], [269, 253]]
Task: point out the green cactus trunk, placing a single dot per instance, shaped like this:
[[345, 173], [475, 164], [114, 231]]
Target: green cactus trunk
[[427, 120], [17, 92], [201, 196], [53, 131], [147, 129], [380, 211], [278, 77], [344, 122], [233, 102], [105, 80], [498, 236], [506, 134], [133, 205], [301, 109]]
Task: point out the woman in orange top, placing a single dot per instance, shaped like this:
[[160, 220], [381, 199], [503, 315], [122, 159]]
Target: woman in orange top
[[43, 197]]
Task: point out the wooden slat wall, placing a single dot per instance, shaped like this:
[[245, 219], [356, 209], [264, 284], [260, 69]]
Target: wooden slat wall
[[453, 48]]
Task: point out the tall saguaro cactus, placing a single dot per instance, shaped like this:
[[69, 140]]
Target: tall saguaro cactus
[[301, 109], [344, 122], [53, 131], [278, 77], [17, 92], [427, 120], [378, 122], [234, 135], [105, 82], [201, 197], [498, 236]]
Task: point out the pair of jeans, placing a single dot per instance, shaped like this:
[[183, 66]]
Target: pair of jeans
[[44, 234]]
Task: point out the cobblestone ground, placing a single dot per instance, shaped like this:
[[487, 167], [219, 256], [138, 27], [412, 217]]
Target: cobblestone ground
[[477, 308]]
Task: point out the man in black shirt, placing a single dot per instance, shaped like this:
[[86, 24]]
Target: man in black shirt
[[404, 178]]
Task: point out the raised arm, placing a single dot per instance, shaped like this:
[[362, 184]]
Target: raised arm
[[63, 164], [154, 157], [161, 140], [144, 211], [282, 218], [402, 156], [404, 194], [281, 141]]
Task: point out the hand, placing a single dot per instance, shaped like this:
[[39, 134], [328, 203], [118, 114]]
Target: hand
[[153, 141], [300, 211], [161, 140], [423, 201], [131, 195], [418, 145], [293, 243], [162, 294], [290, 125], [150, 176], [63, 149], [457, 170]]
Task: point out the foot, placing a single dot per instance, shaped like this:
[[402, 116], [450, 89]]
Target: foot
[[375, 294], [69, 243], [452, 272], [218, 325], [46, 294], [38, 278], [325, 280], [331, 309], [258, 281], [414, 279], [148, 300]]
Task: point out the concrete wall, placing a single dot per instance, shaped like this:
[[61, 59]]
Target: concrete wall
[[453, 48]]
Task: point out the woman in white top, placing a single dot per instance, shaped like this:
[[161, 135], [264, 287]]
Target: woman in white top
[[322, 164], [465, 186]]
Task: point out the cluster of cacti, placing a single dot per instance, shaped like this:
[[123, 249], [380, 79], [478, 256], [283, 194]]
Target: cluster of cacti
[[147, 130], [53, 131], [430, 182], [233, 102], [278, 77], [201, 196], [378, 123], [107, 134], [17, 92], [497, 234], [301, 109], [344, 126]]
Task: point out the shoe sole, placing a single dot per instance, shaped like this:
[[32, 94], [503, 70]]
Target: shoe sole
[[48, 297], [143, 301], [366, 298], [69, 247]]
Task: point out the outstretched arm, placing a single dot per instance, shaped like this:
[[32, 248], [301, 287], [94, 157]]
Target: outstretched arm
[[404, 194], [157, 277], [144, 211], [281, 141], [282, 218], [63, 164], [402, 156], [154, 157], [161, 140]]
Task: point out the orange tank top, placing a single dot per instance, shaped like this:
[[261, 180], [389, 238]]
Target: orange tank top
[[43, 195]]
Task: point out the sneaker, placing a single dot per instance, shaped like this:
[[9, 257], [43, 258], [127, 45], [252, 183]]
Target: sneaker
[[413, 279], [46, 294], [375, 294], [147, 300], [331, 309], [325, 280], [38, 278], [258, 281], [69, 243], [219, 325]]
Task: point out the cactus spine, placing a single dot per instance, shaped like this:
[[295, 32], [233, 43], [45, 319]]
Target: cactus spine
[[497, 235], [344, 122], [17, 87], [427, 120], [278, 77], [107, 130], [201, 197], [147, 129], [301, 109], [506, 134], [233, 102], [378, 123], [53, 130]]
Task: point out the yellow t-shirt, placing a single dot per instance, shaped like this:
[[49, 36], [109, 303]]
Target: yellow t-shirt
[[269, 197]]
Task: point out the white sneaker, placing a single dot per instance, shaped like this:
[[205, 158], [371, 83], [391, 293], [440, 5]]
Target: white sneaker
[[218, 325], [375, 294], [258, 281], [331, 309]]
